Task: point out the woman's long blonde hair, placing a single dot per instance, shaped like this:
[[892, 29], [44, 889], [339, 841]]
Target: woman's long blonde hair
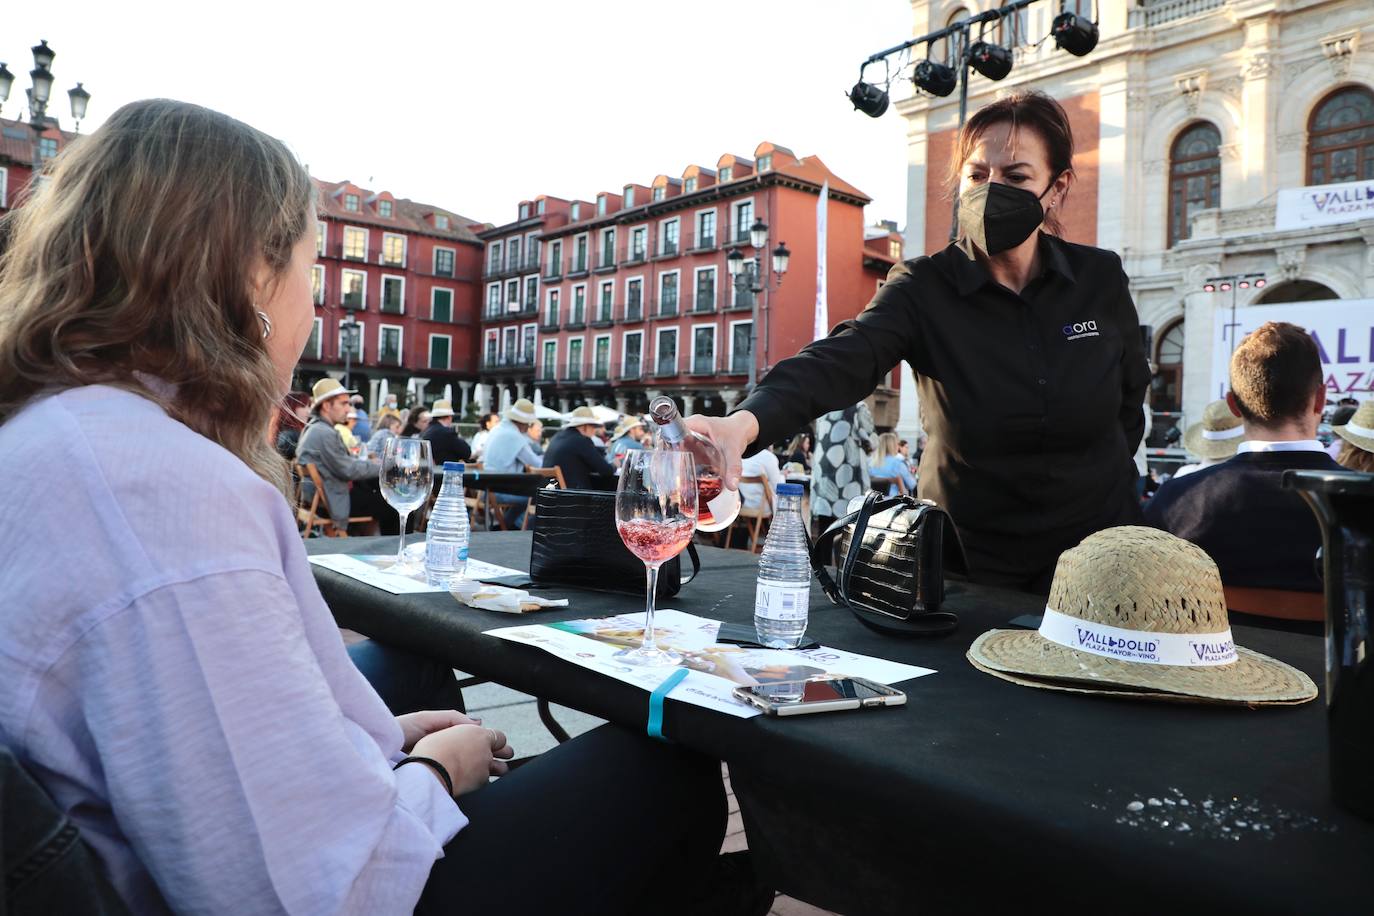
[[137, 254], [888, 445]]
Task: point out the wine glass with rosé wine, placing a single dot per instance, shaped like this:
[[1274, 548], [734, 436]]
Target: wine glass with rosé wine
[[655, 513]]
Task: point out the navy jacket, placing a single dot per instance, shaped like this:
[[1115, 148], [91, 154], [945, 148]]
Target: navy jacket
[[445, 444], [1259, 534], [577, 456]]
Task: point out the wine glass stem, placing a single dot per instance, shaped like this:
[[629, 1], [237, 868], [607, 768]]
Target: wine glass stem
[[401, 541], [651, 574]]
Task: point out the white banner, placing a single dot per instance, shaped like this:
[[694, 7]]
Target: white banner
[[1324, 205], [822, 323], [1342, 328]]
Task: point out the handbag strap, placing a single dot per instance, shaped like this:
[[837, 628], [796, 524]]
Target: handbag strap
[[696, 562], [933, 623]]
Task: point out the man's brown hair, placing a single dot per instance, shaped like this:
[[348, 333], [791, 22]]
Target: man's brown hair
[[1275, 373]]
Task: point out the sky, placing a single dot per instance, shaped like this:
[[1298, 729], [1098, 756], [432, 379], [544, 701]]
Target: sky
[[475, 106]]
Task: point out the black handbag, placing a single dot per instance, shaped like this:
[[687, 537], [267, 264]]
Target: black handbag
[[890, 560], [576, 543]]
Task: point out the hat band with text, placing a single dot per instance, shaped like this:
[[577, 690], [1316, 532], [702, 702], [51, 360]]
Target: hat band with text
[[1188, 650], [1234, 432]]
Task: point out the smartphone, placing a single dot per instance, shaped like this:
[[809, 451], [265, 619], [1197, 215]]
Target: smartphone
[[819, 694]]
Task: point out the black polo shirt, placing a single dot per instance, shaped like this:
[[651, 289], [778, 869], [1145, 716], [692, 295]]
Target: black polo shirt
[[1032, 402]]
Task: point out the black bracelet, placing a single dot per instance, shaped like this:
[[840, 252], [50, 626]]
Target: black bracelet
[[433, 764]]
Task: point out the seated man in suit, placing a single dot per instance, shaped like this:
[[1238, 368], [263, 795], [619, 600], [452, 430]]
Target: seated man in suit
[[350, 483], [444, 442], [1259, 534], [574, 450]]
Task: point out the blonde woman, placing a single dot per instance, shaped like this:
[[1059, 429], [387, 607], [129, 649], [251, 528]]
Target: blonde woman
[[890, 463], [171, 675]]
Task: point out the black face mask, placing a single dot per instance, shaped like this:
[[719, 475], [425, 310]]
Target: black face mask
[[998, 217]]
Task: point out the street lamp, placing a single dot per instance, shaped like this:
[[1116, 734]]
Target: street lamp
[[39, 94], [1233, 283], [749, 274], [348, 330]]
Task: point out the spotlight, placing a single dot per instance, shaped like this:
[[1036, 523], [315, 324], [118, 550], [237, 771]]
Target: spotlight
[[1260, 282], [1244, 284], [1209, 287], [1226, 287], [993, 61], [869, 99], [937, 79], [1074, 34]]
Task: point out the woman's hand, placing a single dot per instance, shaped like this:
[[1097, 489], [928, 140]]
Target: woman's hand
[[731, 435], [415, 725], [470, 753]]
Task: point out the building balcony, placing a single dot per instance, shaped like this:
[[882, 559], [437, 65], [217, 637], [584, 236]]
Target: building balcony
[[632, 311], [389, 356], [576, 323], [632, 371], [665, 368], [739, 365], [528, 310], [606, 265], [703, 366], [354, 255], [353, 301], [442, 272], [603, 319], [491, 272], [548, 324], [547, 373], [508, 363], [705, 243], [600, 375], [531, 263], [1159, 12], [667, 309], [572, 372], [577, 269], [638, 256], [386, 261], [393, 306], [700, 307], [553, 271], [740, 304], [667, 250]]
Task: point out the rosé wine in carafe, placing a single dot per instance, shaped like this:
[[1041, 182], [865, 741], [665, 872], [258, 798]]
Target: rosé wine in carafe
[[716, 505]]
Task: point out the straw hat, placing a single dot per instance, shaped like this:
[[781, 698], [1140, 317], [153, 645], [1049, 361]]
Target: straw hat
[[441, 409], [1359, 430], [522, 411], [1138, 612], [1218, 435], [325, 389], [626, 425], [583, 416]]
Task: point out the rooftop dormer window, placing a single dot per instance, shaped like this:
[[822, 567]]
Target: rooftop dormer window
[[766, 162], [658, 193], [629, 196], [384, 208], [601, 205], [351, 203], [524, 211], [689, 185], [440, 221], [576, 213], [727, 174]]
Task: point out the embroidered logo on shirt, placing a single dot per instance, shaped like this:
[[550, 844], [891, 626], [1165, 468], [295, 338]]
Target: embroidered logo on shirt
[[1080, 329]]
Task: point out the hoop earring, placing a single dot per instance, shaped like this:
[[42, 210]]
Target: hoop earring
[[266, 324]]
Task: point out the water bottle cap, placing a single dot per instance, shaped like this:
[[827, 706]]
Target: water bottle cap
[[790, 489], [453, 467]]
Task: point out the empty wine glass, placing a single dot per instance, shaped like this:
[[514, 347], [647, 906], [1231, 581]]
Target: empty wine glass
[[655, 513], [406, 476]]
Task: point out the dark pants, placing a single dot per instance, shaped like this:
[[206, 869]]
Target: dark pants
[[406, 682], [611, 822], [365, 498], [513, 508]]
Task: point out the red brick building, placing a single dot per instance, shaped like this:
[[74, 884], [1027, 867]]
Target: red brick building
[[635, 298], [19, 146], [410, 273]]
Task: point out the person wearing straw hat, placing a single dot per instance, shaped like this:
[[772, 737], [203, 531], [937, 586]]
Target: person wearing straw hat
[[573, 450], [1139, 613], [1357, 451], [444, 442], [1261, 535], [350, 483], [509, 451], [628, 436], [1214, 439]]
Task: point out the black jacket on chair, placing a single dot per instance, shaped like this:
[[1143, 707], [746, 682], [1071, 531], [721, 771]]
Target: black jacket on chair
[[578, 457], [1259, 534]]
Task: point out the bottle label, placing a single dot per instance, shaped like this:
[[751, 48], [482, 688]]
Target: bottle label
[[444, 556], [782, 600]]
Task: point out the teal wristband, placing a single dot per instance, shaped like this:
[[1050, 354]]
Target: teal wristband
[[656, 702]]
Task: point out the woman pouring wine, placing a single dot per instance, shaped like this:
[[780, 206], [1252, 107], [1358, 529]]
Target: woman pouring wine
[[1026, 349]]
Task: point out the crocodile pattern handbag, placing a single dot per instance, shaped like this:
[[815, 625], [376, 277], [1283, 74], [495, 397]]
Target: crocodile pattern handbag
[[890, 559], [576, 543]]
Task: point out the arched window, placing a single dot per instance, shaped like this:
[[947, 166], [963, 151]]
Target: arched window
[[1166, 390], [1194, 176], [1297, 291], [944, 51], [1340, 137]]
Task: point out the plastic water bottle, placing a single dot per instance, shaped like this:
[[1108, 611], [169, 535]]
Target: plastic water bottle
[[782, 601], [446, 540]]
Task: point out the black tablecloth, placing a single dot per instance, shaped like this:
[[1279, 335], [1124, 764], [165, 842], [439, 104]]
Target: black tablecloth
[[978, 794]]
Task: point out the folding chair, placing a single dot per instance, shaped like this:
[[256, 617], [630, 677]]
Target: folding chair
[[318, 511], [757, 514]]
